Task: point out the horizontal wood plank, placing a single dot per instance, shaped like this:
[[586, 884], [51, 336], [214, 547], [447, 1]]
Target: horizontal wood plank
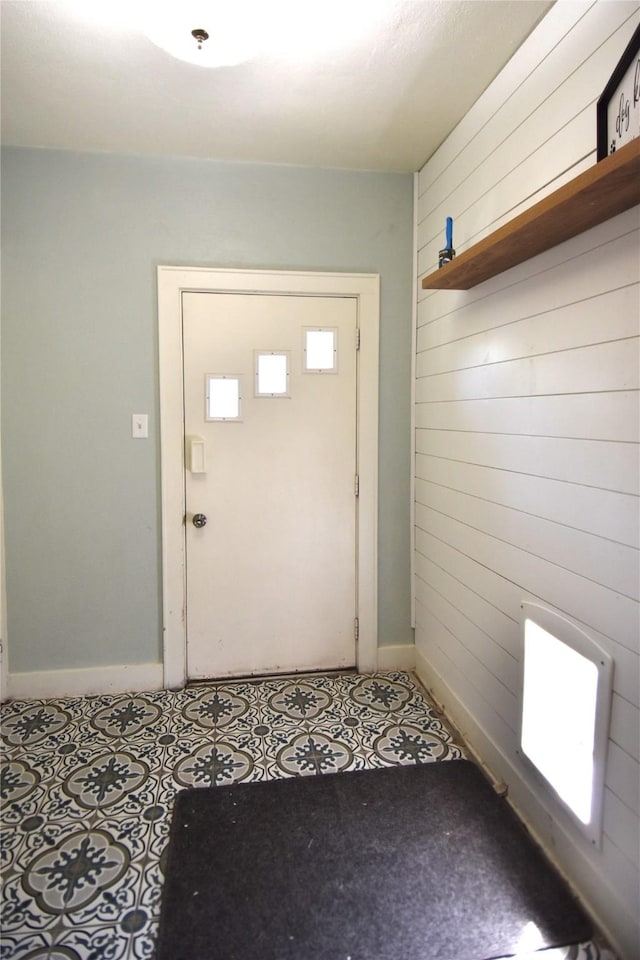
[[603, 465], [621, 825], [625, 726], [597, 368], [602, 562], [561, 327], [581, 599], [608, 416], [599, 513], [623, 775]]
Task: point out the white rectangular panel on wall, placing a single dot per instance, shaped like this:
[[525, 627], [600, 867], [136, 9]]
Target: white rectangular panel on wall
[[565, 713]]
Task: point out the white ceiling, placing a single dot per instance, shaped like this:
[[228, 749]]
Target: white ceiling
[[360, 84]]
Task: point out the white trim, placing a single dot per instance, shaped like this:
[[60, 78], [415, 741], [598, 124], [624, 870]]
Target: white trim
[[172, 282], [3, 597], [412, 442], [3, 603], [401, 656], [123, 678]]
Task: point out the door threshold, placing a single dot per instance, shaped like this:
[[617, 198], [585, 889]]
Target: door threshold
[[258, 678]]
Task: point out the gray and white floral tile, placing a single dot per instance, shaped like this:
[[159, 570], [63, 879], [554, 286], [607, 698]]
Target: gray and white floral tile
[[87, 788]]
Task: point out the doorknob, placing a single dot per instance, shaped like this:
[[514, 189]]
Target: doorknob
[[199, 520]]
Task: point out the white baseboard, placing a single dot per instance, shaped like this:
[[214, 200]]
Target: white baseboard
[[123, 678], [399, 657], [577, 865]]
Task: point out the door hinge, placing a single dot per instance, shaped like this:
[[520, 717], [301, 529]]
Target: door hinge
[[356, 485], [356, 629], [357, 338]]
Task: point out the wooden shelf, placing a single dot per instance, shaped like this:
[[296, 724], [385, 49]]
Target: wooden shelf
[[601, 192]]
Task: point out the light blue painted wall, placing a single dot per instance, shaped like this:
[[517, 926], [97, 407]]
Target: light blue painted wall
[[81, 237]]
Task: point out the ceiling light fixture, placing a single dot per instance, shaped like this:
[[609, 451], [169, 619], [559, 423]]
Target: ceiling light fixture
[[199, 35], [222, 37]]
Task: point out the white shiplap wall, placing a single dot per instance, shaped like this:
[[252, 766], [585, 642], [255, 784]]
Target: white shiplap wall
[[527, 429]]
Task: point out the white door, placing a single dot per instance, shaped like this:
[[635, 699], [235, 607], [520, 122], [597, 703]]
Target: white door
[[270, 436]]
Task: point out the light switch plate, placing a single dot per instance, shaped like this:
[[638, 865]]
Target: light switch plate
[[139, 426]]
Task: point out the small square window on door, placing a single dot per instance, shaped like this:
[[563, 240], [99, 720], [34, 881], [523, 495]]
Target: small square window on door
[[320, 349], [223, 397], [272, 373]]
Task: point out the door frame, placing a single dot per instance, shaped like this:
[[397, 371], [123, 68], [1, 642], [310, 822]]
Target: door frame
[[173, 281]]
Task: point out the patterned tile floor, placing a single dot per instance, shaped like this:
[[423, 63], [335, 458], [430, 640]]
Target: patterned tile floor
[[87, 786]]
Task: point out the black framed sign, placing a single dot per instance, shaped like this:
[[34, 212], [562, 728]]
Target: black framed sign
[[618, 109]]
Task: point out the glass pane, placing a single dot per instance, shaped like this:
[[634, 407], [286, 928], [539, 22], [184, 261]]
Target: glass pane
[[558, 716], [271, 372], [223, 398], [320, 350]]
